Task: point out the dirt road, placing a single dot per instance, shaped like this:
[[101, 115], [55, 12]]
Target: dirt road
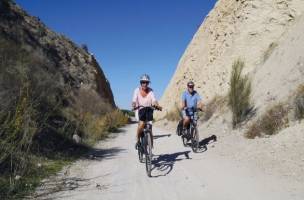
[[113, 172]]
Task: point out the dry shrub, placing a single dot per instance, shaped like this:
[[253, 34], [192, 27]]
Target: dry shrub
[[239, 93], [174, 114], [97, 127], [216, 103], [30, 95], [35, 119], [88, 101], [273, 120], [299, 103]]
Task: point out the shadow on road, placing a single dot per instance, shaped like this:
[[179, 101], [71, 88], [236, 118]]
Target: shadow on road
[[208, 140], [65, 182], [161, 136], [163, 164], [100, 154], [203, 144], [54, 185]]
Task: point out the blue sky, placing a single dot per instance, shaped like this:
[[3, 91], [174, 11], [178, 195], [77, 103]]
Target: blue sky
[[128, 37]]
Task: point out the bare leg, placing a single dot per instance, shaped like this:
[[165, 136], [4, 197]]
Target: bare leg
[[186, 121], [141, 126]]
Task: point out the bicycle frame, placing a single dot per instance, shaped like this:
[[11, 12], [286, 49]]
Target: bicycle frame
[[146, 145], [192, 133]]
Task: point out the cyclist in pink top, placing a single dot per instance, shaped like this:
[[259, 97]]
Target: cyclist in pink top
[[144, 96]]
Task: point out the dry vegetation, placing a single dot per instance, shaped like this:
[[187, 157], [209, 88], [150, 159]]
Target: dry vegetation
[[299, 103], [39, 115], [271, 122], [174, 114], [276, 117], [215, 104], [239, 93]]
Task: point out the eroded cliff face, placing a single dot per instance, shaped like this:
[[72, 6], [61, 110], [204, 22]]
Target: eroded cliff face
[[248, 29], [78, 69]]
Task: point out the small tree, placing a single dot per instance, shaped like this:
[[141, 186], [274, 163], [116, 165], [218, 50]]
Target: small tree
[[239, 93]]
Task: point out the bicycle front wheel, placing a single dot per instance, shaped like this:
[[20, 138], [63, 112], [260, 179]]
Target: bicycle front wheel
[[148, 138], [141, 151], [195, 140]]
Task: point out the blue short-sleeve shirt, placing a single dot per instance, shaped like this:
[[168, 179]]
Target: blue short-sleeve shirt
[[191, 99]]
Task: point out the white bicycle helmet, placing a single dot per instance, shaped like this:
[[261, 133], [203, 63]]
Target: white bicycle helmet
[[145, 77], [190, 83]]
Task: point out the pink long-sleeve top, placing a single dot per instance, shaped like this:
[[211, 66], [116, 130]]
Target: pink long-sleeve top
[[141, 100]]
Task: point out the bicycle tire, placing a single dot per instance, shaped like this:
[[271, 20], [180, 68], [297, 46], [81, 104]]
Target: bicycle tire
[[140, 151], [148, 152], [195, 140], [185, 141]]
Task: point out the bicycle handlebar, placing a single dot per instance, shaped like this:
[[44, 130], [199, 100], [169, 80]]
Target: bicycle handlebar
[[152, 107], [193, 109]]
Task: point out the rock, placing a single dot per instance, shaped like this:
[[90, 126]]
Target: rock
[[76, 139]]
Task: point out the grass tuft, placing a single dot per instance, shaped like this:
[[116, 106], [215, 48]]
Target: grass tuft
[[173, 115], [299, 103], [273, 120], [212, 106]]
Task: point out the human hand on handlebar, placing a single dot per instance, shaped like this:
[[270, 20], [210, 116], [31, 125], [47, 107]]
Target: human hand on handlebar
[[158, 107]]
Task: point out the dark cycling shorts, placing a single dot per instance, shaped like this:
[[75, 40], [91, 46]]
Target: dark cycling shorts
[[187, 113], [145, 114]]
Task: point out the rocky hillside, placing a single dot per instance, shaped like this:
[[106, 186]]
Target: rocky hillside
[[55, 101], [78, 69], [266, 34]]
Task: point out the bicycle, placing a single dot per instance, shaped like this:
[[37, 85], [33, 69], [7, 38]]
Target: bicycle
[[191, 132], [146, 142]]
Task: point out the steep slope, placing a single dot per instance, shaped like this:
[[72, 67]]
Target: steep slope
[[247, 29], [77, 67], [54, 98], [283, 72]]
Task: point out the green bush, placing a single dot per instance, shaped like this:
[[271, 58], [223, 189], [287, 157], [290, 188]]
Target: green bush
[[239, 93], [128, 112]]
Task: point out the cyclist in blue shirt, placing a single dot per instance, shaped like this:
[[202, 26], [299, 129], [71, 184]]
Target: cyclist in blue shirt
[[191, 100]]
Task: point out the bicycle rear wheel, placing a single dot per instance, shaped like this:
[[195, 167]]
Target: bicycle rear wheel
[[195, 140], [148, 153]]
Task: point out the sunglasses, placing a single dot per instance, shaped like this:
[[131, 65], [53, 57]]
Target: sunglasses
[[190, 86], [144, 82]]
